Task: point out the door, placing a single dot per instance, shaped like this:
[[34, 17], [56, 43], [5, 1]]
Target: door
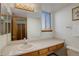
[[23, 31], [19, 29]]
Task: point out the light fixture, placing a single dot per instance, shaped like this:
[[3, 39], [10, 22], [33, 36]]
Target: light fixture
[[25, 6]]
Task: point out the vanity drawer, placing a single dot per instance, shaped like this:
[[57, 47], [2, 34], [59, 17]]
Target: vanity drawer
[[35, 53], [60, 46], [43, 52], [52, 49]]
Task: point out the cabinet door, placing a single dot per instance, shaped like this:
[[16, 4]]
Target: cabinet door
[[52, 49], [59, 46], [35, 53], [43, 52]]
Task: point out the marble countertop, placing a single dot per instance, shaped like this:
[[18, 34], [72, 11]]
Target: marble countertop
[[13, 48]]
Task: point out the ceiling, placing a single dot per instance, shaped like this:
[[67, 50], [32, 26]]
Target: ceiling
[[51, 7], [55, 6]]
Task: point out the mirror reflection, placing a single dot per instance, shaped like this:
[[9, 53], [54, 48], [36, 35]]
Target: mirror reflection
[[19, 28], [5, 20]]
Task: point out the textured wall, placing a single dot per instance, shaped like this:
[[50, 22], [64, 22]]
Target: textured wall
[[64, 26]]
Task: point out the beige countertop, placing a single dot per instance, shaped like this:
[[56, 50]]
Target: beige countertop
[[16, 48]]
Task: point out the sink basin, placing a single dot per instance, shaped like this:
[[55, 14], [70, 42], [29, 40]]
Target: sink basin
[[17, 48], [23, 46]]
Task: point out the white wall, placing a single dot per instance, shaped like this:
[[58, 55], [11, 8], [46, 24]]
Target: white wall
[[34, 29], [4, 40], [64, 26]]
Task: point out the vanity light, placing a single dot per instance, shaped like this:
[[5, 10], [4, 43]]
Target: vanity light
[[25, 6]]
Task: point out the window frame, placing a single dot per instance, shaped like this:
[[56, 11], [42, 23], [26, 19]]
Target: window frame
[[45, 29]]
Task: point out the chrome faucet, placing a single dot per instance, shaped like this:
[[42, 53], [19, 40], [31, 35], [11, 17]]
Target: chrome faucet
[[25, 41]]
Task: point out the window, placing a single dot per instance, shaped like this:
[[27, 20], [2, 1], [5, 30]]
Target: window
[[5, 25], [46, 21]]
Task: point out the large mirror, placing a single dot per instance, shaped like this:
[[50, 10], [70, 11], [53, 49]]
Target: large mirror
[[12, 26]]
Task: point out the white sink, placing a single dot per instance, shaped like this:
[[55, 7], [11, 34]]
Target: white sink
[[17, 48], [23, 46]]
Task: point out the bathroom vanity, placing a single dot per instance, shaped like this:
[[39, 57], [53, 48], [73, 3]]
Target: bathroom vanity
[[44, 51], [42, 47]]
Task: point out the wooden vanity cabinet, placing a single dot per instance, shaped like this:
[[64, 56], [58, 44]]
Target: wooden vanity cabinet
[[45, 51], [42, 52], [53, 49]]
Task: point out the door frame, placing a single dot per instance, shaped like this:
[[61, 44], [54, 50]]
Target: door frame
[[14, 17]]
